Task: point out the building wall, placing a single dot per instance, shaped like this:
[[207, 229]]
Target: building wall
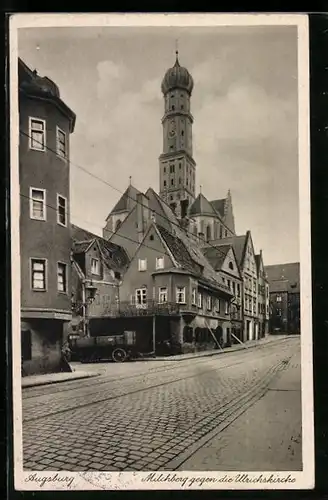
[[43, 239], [113, 223], [46, 343], [216, 228], [279, 312], [250, 294]]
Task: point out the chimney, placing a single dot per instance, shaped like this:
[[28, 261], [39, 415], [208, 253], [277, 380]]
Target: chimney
[[143, 215]]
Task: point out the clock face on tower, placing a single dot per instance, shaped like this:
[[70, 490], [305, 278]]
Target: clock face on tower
[[172, 128]]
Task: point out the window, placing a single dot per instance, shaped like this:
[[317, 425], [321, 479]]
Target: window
[[173, 107], [37, 134], [181, 295], [61, 277], [142, 264], [38, 274], [200, 300], [61, 210], [229, 284], [61, 143], [38, 204], [238, 290], [159, 262], [26, 345], [182, 106], [141, 297], [231, 265], [209, 303], [164, 183], [171, 169], [233, 287], [164, 170], [193, 297], [162, 296], [95, 266], [172, 182], [179, 180], [254, 286], [226, 310], [278, 298], [218, 305], [179, 166]]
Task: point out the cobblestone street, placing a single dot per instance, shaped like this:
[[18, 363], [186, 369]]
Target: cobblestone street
[[150, 415]]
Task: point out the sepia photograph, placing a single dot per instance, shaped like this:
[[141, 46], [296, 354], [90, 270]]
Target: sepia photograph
[[161, 253]]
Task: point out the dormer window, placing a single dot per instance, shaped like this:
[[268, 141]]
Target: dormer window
[[95, 266]]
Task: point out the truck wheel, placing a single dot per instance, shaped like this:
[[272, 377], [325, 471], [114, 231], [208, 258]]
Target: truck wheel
[[119, 355]]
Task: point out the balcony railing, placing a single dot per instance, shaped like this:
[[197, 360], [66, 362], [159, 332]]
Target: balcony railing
[[147, 308]]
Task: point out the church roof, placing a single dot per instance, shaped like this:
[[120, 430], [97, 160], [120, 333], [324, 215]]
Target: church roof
[[218, 206], [216, 256], [127, 201], [201, 205], [177, 77]]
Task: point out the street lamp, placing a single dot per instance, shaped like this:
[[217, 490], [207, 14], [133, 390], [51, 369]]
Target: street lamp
[[89, 296]]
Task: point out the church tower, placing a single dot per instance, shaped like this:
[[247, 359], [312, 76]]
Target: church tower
[[176, 163]]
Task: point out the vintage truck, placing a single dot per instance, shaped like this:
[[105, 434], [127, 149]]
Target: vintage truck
[[117, 347]]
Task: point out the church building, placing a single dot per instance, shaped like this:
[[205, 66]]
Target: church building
[[197, 236]]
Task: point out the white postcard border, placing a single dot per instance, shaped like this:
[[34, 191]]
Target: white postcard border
[[33, 481]]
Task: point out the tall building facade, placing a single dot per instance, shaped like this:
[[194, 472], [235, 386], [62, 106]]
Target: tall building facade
[[45, 125], [176, 163]]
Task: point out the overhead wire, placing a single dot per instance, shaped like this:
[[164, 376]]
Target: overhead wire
[[100, 179]]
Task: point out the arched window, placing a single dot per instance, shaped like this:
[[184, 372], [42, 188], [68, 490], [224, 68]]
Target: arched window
[[117, 225], [208, 233], [231, 265]]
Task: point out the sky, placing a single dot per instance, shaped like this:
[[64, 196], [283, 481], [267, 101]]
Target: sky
[[244, 104]]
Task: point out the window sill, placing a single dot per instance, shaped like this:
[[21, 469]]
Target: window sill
[[61, 224], [38, 218], [182, 303], [38, 150], [39, 289]]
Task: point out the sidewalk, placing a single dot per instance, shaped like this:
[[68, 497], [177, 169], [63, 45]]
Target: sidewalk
[[267, 436], [214, 352], [54, 378]]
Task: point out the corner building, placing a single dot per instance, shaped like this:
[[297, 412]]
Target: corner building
[[45, 125]]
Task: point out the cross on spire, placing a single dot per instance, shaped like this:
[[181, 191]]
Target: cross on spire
[[177, 50]]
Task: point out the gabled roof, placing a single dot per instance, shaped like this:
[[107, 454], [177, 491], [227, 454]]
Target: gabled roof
[[115, 257], [284, 276], [189, 255], [127, 201], [216, 256], [179, 251], [218, 206], [201, 205], [238, 243], [82, 246]]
